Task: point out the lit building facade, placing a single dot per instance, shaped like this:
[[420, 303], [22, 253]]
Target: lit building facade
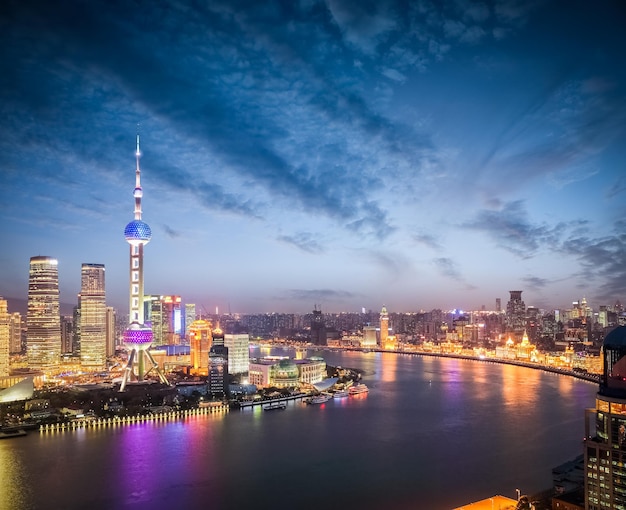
[[166, 319], [384, 327], [200, 340], [369, 337], [190, 317], [43, 320], [605, 451], [311, 370], [238, 353], [67, 335], [138, 336], [111, 331], [93, 311], [218, 371], [5, 329], [15, 333]]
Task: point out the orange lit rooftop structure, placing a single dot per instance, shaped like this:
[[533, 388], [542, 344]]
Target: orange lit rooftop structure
[[493, 503]]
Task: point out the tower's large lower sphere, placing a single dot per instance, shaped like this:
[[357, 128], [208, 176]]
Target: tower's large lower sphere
[[137, 336]]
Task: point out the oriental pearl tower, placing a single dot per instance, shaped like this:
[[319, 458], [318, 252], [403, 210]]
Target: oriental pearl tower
[[138, 336]]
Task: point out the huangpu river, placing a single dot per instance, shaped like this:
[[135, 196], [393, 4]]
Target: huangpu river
[[433, 433]]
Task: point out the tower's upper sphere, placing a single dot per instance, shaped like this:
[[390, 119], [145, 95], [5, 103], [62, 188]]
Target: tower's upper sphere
[[138, 231]]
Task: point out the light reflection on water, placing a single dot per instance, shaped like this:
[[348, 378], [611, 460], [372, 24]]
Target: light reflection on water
[[441, 432]]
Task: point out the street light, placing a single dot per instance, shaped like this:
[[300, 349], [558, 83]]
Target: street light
[[519, 494]]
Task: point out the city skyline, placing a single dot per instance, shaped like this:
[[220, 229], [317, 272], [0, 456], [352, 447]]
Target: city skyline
[[431, 155]]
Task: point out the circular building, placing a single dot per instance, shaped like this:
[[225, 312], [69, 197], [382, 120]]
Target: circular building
[[284, 374]]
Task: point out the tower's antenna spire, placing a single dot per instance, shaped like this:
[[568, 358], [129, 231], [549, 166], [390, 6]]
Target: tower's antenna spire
[[138, 191]]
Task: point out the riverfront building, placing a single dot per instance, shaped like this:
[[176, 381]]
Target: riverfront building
[[238, 353], [605, 450], [200, 340], [5, 330], [93, 313], [43, 320]]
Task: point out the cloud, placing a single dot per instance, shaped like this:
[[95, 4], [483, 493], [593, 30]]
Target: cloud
[[304, 241], [428, 240], [319, 295], [603, 260], [535, 283], [447, 267], [511, 229], [170, 232]]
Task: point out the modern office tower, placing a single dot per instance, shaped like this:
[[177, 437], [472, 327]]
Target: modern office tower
[[318, 328], [166, 319], [93, 312], [605, 450], [200, 342], [43, 320], [67, 335], [111, 331], [5, 330], [190, 316], [384, 326], [498, 305], [76, 331], [138, 336], [516, 314], [238, 353], [15, 333], [218, 370], [603, 318]]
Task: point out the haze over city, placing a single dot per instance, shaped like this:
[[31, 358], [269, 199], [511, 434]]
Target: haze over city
[[348, 154]]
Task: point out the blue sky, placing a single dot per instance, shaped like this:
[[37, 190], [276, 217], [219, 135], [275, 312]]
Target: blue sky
[[349, 154]]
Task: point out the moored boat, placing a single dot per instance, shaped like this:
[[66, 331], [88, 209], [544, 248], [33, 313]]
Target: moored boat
[[319, 399], [341, 394], [358, 389], [275, 406], [8, 433]]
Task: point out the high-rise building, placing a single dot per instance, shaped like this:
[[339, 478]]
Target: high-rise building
[[218, 370], [384, 326], [15, 333], [5, 330], [166, 319], [238, 353], [93, 347], [138, 336], [67, 335], [76, 331], [516, 314], [190, 316], [200, 340], [111, 331], [498, 305], [318, 328], [605, 448], [43, 320]]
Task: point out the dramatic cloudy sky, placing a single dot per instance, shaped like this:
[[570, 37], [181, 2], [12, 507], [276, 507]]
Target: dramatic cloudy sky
[[418, 154]]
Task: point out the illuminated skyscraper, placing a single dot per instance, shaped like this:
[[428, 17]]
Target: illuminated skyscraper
[[111, 331], [138, 336], [43, 320], [15, 333], [200, 340], [605, 449], [190, 316], [238, 353], [92, 317], [5, 331], [166, 319], [384, 326]]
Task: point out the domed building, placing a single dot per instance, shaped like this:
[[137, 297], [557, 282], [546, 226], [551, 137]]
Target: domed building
[[605, 451], [284, 374]]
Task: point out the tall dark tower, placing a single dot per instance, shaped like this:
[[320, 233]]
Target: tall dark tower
[[605, 451], [318, 328], [138, 336], [516, 314]]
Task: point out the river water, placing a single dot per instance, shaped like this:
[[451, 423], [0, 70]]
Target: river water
[[432, 433]]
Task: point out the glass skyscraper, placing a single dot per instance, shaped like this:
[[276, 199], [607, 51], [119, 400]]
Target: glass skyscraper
[[93, 348], [43, 320]]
